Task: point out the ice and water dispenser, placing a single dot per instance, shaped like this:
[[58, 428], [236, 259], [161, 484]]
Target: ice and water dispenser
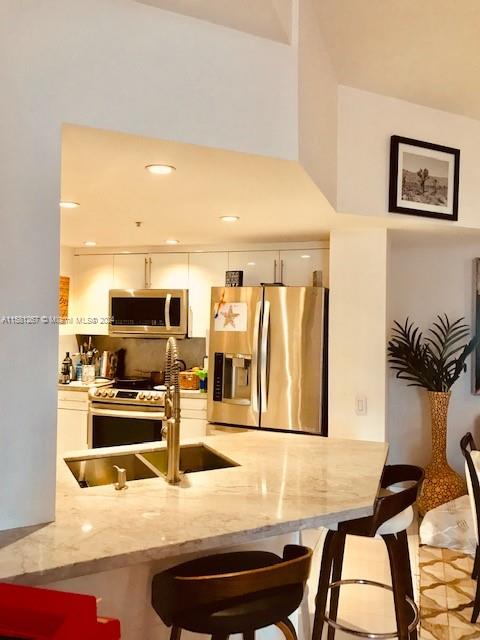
[[232, 378]]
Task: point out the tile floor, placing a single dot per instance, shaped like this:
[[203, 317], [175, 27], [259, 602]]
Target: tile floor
[[441, 579], [446, 594]]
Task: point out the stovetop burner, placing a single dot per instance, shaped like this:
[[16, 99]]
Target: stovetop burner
[[133, 382]]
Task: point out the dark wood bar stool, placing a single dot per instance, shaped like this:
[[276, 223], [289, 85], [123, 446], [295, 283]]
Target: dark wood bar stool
[[472, 469], [393, 514], [237, 592]]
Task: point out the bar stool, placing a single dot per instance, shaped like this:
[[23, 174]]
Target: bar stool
[[237, 592], [393, 514], [472, 471]]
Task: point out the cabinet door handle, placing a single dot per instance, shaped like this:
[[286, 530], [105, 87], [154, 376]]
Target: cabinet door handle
[[149, 273], [274, 270], [145, 274], [281, 271]]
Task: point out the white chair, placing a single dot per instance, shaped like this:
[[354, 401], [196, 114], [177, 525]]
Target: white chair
[[472, 471]]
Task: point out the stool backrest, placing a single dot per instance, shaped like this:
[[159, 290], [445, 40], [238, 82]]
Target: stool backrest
[[198, 591], [472, 469], [388, 506]]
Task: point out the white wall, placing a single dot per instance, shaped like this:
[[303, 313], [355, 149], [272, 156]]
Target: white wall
[[365, 123], [110, 64], [317, 102], [357, 358], [428, 277]]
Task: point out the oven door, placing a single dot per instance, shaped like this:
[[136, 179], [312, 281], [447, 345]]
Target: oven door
[[109, 426], [150, 312]]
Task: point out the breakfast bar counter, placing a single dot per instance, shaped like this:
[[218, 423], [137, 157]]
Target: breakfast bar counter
[[283, 483]]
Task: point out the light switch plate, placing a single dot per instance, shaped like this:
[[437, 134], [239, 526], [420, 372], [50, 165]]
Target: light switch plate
[[361, 405]]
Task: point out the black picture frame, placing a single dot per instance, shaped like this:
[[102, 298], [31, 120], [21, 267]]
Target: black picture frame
[[425, 210]]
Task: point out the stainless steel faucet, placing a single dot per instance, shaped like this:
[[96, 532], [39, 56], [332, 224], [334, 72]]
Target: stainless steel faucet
[[172, 411]]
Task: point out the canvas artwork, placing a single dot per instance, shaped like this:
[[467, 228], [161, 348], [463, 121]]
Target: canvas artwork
[[423, 179]]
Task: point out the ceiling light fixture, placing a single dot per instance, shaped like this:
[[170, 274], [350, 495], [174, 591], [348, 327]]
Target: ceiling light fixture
[[251, 264], [305, 256], [68, 204], [229, 218], [172, 241], [160, 169], [90, 243]]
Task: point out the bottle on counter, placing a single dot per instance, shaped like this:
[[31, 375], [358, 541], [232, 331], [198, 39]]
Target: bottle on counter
[[66, 369]]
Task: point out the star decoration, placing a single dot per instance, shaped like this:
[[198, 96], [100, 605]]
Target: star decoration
[[229, 317]]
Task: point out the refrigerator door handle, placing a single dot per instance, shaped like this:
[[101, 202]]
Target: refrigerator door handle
[[264, 356], [256, 334]]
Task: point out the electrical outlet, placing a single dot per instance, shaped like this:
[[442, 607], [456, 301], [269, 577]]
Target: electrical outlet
[[361, 405]]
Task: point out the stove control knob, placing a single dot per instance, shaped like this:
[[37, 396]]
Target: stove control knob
[[111, 393], [104, 394], [147, 395], [141, 395], [153, 399], [97, 392]]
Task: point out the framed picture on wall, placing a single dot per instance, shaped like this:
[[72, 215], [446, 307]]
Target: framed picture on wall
[[423, 179]]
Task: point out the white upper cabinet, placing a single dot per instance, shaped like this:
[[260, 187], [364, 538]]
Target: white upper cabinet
[[92, 281], [130, 271], [297, 266], [257, 266], [206, 270], [168, 270]]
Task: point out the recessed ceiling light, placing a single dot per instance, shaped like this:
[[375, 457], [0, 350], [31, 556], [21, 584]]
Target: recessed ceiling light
[[229, 218], [160, 169], [251, 264], [68, 204], [171, 241], [305, 256], [90, 243]]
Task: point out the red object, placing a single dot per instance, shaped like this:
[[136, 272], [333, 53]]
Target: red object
[[30, 613]]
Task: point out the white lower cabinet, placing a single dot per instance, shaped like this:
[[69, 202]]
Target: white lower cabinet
[[193, 417], [72, 426]]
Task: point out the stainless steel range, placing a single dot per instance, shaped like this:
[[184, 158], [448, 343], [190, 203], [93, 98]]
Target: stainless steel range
[[124, 416]]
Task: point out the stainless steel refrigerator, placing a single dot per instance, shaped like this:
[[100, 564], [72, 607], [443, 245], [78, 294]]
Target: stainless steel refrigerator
[[268, 357]]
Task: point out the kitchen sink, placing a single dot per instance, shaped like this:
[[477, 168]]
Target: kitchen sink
[[91, 472], [193, 458]]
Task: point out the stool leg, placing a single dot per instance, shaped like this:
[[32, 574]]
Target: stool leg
[[336, 575], [407, 573], [398, 585], [476, 564], [323, 583], [287, 628], [175, 633]]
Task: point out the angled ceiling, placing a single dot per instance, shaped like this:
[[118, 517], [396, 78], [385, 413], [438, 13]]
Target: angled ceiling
[[271, 19], [276, 200], [425, 52], [105, 172]]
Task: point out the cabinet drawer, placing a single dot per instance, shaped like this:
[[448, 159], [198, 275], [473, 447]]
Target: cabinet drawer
[[197, 404], [191, 413], [73, 400]]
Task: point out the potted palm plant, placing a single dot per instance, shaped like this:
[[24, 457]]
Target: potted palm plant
[[434, 362]]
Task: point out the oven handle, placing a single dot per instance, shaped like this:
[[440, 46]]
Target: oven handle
[[167, 311], [113, 413]]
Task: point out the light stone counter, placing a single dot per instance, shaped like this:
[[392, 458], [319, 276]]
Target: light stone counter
[[285, 483]]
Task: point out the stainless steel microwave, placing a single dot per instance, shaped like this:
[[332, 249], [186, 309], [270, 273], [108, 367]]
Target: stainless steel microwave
[[148, 312]]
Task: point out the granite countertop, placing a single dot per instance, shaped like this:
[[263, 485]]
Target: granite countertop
[[285, 482]]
